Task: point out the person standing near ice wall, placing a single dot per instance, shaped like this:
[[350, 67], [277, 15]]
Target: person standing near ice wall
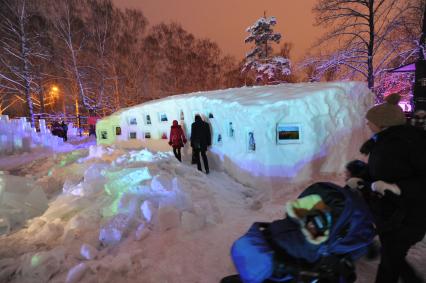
[[397, 167], [200, 141], [91, 120], [177, 139], [65, 128]]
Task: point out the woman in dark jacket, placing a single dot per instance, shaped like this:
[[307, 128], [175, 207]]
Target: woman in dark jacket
[[397, 168], [177, 139]]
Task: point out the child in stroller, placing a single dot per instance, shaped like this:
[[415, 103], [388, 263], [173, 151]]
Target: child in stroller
[[326, 229]]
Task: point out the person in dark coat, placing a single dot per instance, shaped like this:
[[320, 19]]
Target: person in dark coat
[[177, 139], [65, 129], [57, 129], [397, 168], [200, 140]]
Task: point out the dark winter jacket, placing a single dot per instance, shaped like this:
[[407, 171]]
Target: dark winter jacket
[[200, 134], [57, 130], [177, 137], [398, 155], [65, 127]]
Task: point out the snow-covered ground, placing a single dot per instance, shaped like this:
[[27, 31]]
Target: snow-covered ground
[[126, 215]]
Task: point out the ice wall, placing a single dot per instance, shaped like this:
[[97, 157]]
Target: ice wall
[[17, 136], [252, 127]]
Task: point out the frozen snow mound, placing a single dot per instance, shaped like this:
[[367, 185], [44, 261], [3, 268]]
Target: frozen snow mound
[[262, 135], [17, 136], [20, 199]]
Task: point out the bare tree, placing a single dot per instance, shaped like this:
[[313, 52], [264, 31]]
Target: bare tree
[[70, 30], [7, 100], [20, 47], [363, 35]]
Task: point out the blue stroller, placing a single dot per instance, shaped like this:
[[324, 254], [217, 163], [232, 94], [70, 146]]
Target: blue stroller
[[326, 229]]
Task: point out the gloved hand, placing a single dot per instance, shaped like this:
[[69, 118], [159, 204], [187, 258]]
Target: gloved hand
[[381, 186], [184, 141], [170, 143], [355, 183]]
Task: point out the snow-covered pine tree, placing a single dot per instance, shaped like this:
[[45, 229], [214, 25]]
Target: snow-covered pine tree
[[268, 69]]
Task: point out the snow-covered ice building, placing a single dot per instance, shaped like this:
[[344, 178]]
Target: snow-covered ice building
[[261, 135]]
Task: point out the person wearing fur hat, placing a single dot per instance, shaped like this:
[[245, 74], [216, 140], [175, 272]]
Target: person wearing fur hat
[[177, 139], [397, 168]]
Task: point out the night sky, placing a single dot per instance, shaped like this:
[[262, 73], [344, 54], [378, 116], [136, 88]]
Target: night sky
[[225, 21]]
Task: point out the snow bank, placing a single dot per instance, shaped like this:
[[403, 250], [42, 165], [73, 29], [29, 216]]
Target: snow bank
[[141, 216], [262, 136]]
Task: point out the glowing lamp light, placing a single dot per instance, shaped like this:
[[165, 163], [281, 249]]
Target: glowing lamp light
[[55, 88]]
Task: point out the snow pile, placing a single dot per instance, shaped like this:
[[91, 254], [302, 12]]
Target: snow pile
[[17, 136], [139, 216], [20, 199], [136, 200]]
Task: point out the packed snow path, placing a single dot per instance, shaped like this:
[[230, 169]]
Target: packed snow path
[[119, 215]]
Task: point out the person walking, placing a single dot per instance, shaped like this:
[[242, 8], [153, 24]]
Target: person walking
[[65, 129], [200, 141], [91, 121], [397, 168], [177, 139]]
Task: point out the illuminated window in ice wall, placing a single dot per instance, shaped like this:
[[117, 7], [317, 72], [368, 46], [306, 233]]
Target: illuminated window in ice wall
[[104, 135]]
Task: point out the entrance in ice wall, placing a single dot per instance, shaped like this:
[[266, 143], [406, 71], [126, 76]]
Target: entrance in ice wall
[[273, 133]]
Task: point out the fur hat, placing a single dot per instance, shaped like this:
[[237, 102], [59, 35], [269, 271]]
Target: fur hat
[[388, 113]]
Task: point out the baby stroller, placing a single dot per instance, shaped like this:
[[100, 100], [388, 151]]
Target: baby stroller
[[326, 229]]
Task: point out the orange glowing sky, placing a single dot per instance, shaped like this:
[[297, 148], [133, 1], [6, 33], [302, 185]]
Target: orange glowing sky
[[225, 21]]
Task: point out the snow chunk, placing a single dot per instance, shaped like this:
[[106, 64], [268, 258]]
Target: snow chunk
[[192, 222], [51, 231], [76, 273], [161, 182], [148, 210], [88, 252], [20, 199], [168, 218], [141, 232], [115, 229], [125, 180], [41, 266]]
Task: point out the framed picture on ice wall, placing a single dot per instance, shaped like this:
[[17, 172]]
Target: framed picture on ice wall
[[147, 119], [218, 139], [250, 140], [162, 117], [289, 133], [231, 130], [132, 121]]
